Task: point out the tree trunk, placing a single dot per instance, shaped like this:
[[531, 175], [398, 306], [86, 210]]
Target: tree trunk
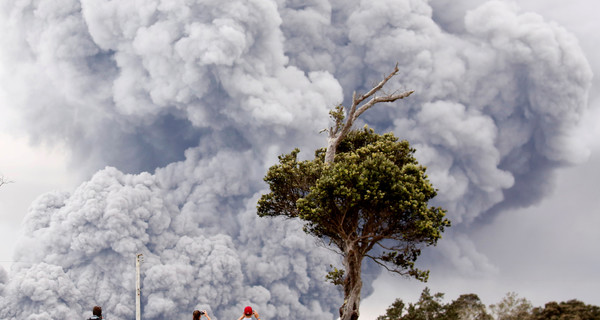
[[332, 144], [352, 283]]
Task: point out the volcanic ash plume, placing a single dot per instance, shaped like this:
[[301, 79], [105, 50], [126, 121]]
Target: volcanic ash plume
[[206, 94], [199, 252]]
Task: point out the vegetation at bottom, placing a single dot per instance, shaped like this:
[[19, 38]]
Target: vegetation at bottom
[[470, 307]]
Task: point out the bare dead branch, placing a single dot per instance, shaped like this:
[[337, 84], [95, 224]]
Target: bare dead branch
[[376, 88], [375, 100], [4, 181], [336, 135]]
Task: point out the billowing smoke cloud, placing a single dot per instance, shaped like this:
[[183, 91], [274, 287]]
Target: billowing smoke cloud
[[204, 247], [206, 94]]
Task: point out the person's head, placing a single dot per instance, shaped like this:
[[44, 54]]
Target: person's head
[[248, 311], [196, 314], [97, 311]]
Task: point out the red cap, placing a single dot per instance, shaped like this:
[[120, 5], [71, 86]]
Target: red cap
[[248, 311]]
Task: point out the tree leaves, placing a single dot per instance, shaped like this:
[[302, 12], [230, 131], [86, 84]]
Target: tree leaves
[[374, 192], [369, 201], [470, 307]]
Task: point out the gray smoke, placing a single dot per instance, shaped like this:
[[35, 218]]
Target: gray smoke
[[189, 102], [203, 245]]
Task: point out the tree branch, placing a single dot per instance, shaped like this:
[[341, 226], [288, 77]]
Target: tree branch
[[375, 100], [3, 181], [395, 270], [336, 135], [375, 89]]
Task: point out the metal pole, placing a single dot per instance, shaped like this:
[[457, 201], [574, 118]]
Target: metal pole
[[138, 314]]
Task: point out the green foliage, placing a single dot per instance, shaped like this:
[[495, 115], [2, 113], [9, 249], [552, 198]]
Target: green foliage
[[429, 307], [373, 194], [466, 307], [570, 310], [335, 276], [338, 116], [394, 312], [469, 307]]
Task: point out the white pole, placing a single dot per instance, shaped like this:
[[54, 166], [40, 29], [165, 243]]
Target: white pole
[[138, 315]]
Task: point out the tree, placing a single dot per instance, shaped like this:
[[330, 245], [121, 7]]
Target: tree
[[429, 307], [467, 307], [570, 310], [370, 201], [394, 311], [511, 307]]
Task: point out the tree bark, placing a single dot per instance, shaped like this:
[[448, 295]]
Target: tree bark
[[352, 254], [352, 282]]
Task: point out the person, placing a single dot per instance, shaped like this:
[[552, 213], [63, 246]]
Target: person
[[198, 314], [96, 313], [248, 312]]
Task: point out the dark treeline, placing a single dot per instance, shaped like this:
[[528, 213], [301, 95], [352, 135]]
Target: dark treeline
[[470, 307]]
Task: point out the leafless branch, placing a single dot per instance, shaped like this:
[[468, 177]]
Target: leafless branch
[[336, 135], [4, 181], [395, 270]]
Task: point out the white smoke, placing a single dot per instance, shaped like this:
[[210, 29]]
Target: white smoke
[[206, 94]]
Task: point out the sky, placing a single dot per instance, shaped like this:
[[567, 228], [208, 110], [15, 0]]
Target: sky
[[189, 103]]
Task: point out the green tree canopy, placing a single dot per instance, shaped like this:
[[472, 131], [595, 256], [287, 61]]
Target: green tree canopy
[[570, 310], [372, 201], [394, 311], [429, 307], [467, 307]]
